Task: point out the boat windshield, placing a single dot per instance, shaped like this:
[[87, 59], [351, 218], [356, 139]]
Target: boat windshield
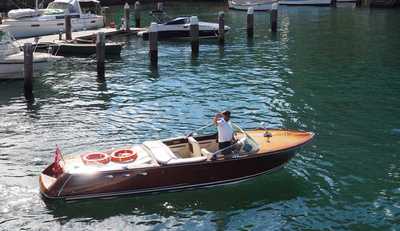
[[7, 47], [245, 143], [59, 8]]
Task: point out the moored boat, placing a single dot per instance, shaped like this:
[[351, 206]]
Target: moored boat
[[37, 22], [167, 165], [12, 58], [258, 5], [305, 2], [180, 28], [66, 48]]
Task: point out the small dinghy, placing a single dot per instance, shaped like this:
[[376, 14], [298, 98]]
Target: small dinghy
[[180, 28], [66, 48], [168, 165]]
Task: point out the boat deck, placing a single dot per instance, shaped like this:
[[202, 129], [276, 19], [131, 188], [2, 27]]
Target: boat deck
[[280, 139]]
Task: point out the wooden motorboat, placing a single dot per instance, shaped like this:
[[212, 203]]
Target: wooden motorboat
[[66, 48], [180, 163]]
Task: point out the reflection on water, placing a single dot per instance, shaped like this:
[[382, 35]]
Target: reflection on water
[[332, 71]]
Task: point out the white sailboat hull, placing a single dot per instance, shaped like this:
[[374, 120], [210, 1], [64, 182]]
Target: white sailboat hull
[[257, 5], [12, 67], [37, 26]]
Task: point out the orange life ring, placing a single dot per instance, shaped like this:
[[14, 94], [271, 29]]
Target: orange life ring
[[96, 158], [124, 155]]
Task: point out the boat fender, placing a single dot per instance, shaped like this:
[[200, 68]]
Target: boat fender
[[124, 156], [95, 158]]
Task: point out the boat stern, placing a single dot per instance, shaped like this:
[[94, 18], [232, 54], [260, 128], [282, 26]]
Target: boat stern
[[50, 182]]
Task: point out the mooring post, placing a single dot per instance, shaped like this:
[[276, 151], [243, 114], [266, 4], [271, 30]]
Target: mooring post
[[221, 28], [274, 17], [60, 32], [127, 17], [100, 56], [358, 3], [137, 14], [194, 34], [250, 22], [333, 3], [28, 71], [68, 27], [153, 34], [1, 18]]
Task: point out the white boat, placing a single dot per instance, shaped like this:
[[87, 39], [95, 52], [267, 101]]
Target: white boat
[[12, 58], [37, 22], [258, 5], [305, 2], [180, 28]]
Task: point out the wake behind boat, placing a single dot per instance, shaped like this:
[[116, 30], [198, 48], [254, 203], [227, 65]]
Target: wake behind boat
[[37, 22], [171, 164]]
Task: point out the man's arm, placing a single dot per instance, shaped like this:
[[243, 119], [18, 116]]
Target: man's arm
[[216, 118]]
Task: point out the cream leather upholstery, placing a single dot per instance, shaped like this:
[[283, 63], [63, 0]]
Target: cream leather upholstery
[[206, 153], [195, 146], [160, 151]]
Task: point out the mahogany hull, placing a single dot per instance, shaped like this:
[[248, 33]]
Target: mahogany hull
[[164, 178]]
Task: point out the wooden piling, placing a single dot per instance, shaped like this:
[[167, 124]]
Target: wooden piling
[[333, 3], [127, 17], [68, 27], [137, 14], [1, 18], [28, 71], [358, 3], [250, 22], [100, 56], [194, 34], [60, 32], [153, 51], [221, 28], [274, 17]]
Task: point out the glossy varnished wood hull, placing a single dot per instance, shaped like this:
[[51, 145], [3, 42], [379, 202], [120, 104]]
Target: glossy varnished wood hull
[[165, 178]]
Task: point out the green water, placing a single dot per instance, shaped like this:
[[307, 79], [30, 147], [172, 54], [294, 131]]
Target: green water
[[331, 71]]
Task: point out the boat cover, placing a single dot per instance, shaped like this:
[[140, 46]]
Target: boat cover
[[22, 13]]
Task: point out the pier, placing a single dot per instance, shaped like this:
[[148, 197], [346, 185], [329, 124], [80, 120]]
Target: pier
[[87, 34]]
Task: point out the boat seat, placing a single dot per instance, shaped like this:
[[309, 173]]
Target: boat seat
[[160, 151], [206, 153], [187, 160], [195, 146]]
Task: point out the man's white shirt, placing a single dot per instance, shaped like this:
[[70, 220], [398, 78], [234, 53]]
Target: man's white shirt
[[225, 131]]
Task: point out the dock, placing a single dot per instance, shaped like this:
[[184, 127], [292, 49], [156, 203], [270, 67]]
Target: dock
[[52, 39]]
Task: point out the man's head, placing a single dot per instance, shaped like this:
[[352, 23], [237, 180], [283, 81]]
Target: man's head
[[227, 115]]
